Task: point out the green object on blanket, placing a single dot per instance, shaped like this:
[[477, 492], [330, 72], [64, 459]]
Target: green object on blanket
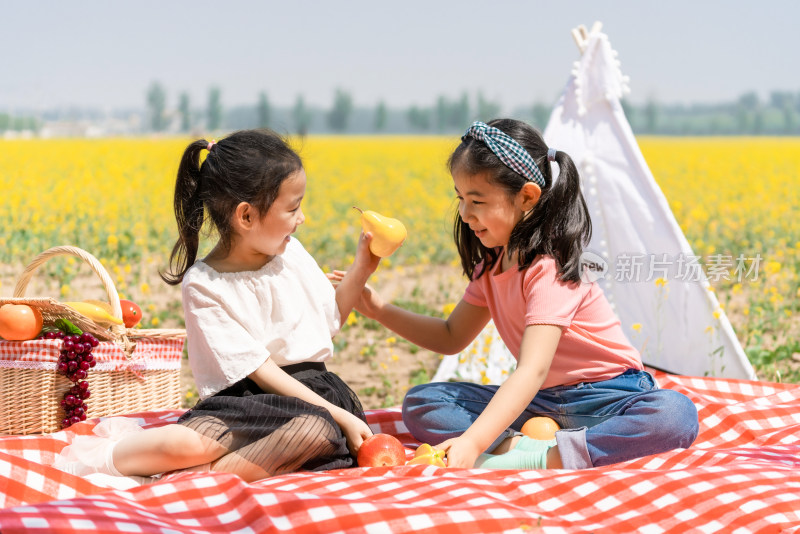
[[527, 454]]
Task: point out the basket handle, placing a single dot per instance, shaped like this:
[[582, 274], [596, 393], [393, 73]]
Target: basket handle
[[94, 263]]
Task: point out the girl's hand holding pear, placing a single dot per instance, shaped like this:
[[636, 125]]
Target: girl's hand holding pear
[[365, 259], [380, 237]]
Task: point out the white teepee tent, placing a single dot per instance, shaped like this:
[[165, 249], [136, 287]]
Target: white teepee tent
[[638, 253]]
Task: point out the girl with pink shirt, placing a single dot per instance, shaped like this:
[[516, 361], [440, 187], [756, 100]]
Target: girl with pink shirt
[[520, 231]]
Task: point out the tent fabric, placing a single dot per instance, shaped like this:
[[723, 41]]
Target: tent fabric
[[743, 472], [638, 252]]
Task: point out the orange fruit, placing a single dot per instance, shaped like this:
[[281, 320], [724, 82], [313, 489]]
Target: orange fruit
[[19, 322], [540, 428]]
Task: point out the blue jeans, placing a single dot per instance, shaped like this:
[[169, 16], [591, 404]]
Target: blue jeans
[[602, 423]]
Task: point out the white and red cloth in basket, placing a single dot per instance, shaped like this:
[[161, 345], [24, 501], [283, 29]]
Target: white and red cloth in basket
[[741, 475], [149, 354]]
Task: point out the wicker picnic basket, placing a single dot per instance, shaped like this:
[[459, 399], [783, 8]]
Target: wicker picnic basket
[[137, 370]]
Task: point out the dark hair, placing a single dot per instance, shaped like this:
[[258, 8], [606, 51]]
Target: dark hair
[[559, 225], [247, 166]]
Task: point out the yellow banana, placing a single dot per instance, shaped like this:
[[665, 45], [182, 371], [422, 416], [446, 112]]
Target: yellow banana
[[95, 312]]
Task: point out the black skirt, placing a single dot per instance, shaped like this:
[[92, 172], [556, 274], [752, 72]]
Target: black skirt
[[279, 434]]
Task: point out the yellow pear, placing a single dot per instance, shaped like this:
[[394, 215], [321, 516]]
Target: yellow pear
[[387, 233]]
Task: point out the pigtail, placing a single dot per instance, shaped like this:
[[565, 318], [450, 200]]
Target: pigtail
[[189, 213], [559, 225]]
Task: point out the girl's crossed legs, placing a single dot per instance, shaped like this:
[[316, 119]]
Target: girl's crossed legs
[[603, 422], [250, 434]]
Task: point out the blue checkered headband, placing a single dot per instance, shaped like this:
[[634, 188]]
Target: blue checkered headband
[[507, 149]]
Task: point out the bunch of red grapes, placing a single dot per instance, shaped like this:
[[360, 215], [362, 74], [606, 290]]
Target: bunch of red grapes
[[74, 362]]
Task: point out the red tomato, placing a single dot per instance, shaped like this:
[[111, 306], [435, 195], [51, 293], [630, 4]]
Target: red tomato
[[131, 313], [19, 322]]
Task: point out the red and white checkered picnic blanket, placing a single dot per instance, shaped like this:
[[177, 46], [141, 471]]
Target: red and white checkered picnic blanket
[[741, 475]]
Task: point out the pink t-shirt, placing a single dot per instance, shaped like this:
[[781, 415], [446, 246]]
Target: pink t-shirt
[[593, 346]]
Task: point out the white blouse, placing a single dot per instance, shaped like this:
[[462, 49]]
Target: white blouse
[[286, 311]]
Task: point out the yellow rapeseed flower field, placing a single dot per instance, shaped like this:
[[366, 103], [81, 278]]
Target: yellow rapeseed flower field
[[736, 197], [113, 197]]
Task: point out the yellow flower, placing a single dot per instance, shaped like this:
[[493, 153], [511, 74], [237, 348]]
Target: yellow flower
[[661, 282], [395, 357], [64, 290], [112, 241], [636, 327], [717, 313], [391, 340], [155, 321], [145, 288], [448, 308], [351, 319]]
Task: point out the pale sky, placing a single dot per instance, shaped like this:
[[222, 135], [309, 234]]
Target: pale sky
[[105, 54]]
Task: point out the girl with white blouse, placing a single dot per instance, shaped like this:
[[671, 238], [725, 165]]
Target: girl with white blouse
[[259, 316]]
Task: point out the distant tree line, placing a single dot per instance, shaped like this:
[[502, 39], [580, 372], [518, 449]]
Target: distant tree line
[[444, 116], [779, 114], [18, 123], [748, 115]]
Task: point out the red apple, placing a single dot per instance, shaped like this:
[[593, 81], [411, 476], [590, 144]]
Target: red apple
[[381, 450]]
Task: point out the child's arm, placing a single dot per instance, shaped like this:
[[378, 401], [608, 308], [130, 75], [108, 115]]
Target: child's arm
[[538, 347], [272, 379], [352, 282], [445, 336]]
